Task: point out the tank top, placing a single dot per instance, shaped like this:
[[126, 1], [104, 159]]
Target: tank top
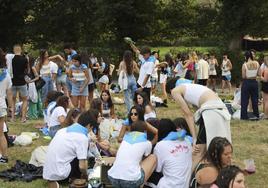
[[78, 72], [212, 68], [45, 69], [193, 92], [251, 73], [225, 70]]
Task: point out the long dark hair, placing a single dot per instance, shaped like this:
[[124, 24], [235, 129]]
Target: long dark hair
[[71, 115], [128, 59], [182, 124], [63, 101], [2, 59], [140, 113], [107, 62], [227, 175], [165, 127], [215, 150], [145, 99], [110, 102], [96, 104], [169, 60], [42, 59], [85, 59]]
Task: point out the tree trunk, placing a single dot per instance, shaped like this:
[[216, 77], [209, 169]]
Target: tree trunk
[[235, 43]]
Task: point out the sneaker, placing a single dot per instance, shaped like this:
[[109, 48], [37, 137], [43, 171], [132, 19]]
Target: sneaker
[[3, 160]]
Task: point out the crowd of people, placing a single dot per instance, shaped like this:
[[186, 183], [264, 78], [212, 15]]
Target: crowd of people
[[58, 87]]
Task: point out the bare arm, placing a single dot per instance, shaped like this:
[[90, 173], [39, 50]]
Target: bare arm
[[86, 81], [243, 71], [145, 80], [56, 57], [83, 168], [61, 119], [188, 115], [135, 49], [153, 130]]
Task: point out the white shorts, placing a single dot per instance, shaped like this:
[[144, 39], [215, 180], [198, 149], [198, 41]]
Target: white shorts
[[163, 78]]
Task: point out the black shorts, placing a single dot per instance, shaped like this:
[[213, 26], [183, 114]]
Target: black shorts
[[264, 87], [212, 76], [91, 87], [201, 136]]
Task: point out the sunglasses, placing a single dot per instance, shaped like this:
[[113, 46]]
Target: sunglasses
[[135, 114]]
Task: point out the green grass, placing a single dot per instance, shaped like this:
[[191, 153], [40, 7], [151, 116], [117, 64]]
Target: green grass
[[249, 138], [167, 49]]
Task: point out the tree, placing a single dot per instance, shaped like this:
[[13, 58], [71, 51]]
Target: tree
[[239, 18]]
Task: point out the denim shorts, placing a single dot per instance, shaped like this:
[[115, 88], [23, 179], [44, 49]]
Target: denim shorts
[[3, 112], [61, 79], [21, 89], [227, 77], [153, 81], [118, 183], [76, 89]]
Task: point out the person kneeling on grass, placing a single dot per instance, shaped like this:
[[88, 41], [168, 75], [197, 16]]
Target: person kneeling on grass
[[129, 170], [67, 153]]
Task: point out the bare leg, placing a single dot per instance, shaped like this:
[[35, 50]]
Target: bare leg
[[265, 105], [13, 108], [198, 156], [24, 108], [82, 100], [3, 141], [148, 165], [75, 101], [229, 86], [53, 184], [222, 86], [163, 86], [90, 96]]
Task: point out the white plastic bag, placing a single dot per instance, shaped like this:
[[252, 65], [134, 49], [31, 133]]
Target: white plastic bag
[[33, 96], [23, 140]]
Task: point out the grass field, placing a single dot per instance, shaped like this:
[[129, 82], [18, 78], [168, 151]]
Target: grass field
[[250, 140]]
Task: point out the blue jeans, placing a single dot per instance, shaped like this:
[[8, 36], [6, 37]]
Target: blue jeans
[[118, 183], [249, 89], [47, 87], [130, 91]]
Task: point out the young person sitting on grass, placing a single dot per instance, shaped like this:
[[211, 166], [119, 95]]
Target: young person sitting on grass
[[174, 155], [129, 168], [67, 152]]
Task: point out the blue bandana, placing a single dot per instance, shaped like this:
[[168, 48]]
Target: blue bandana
[[126, 122], [183, 81], [135, 137], [3, 74], [179, 135], [150, 59], [77, 128]]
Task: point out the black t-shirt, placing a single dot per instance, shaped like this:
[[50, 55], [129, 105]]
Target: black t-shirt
[[19, 67]]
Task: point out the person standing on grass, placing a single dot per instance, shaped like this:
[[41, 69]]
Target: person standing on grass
[[226, 68], [70, 52], [202, 70], [264, 86], [146, 69], [5, 91], [126, 70], [213, 63], [249, 88], [79, 77], [212, 115], [154, 77], [20, 68]]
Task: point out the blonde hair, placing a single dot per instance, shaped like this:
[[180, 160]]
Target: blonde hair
[[265, 60]]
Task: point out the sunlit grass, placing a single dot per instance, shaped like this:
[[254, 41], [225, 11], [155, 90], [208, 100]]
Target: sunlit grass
[[249, 138]]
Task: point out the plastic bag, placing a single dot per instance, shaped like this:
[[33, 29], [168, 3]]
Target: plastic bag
[[23, 140], [33, 135], [33, 96]]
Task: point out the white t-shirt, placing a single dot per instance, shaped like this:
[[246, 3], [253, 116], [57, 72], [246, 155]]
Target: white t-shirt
[[127, 162], [50, 68], [154, 73], [9, 58], [57, 112], [146, 69], [62, 150], [54, 68], [174, 159], [5, 84], [202, 69], [48, 114]]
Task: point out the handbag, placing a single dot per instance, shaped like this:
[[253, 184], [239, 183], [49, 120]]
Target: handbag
[[40, 83]]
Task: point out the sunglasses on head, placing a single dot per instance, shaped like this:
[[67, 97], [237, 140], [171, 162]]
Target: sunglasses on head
[[135, 114]]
